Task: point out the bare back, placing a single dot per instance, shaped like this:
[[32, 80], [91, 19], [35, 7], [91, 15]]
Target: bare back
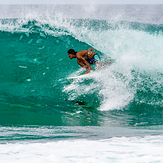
[[87, 54]]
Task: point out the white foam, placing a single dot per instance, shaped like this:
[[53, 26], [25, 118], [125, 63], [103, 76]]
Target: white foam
[[124, 149]]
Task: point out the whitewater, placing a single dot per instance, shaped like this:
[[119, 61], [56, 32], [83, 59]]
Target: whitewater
[[114, 115]]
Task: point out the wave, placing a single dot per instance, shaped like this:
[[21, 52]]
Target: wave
[[35, 64]]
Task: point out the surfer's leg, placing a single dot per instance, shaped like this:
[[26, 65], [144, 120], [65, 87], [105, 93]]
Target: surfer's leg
[[96, 60], [98, 64], [106, 62]]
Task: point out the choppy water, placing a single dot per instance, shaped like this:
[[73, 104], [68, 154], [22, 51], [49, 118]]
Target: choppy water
[[117, 107]]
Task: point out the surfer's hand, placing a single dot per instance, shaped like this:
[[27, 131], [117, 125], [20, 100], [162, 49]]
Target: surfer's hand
[[88, 71]]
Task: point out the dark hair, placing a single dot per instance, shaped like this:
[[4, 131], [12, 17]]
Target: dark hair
[[71, 51]]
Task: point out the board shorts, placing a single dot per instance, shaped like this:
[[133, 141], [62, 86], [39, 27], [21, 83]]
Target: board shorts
[[94, 59]]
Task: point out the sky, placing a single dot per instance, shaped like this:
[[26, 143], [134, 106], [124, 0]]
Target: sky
[[81, 1]]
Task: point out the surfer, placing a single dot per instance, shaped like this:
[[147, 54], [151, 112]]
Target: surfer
[[85, 58]]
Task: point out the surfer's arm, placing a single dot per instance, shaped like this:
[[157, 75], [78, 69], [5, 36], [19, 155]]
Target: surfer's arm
[[85, 63], [90, 49]]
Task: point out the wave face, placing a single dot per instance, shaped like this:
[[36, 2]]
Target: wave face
[[34, 67]]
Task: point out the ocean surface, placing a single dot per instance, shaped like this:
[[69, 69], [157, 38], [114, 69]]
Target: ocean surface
[[113, 115]]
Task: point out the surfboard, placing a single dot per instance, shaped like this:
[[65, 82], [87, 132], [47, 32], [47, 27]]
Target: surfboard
[[77, 77]]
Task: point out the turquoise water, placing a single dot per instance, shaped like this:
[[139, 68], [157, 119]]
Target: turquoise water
[[38, 104], [35, 65]]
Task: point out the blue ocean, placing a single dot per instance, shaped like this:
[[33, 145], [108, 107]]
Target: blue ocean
[[115, 115]]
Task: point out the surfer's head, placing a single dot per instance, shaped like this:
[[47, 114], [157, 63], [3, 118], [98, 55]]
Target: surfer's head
[[71, 53]]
